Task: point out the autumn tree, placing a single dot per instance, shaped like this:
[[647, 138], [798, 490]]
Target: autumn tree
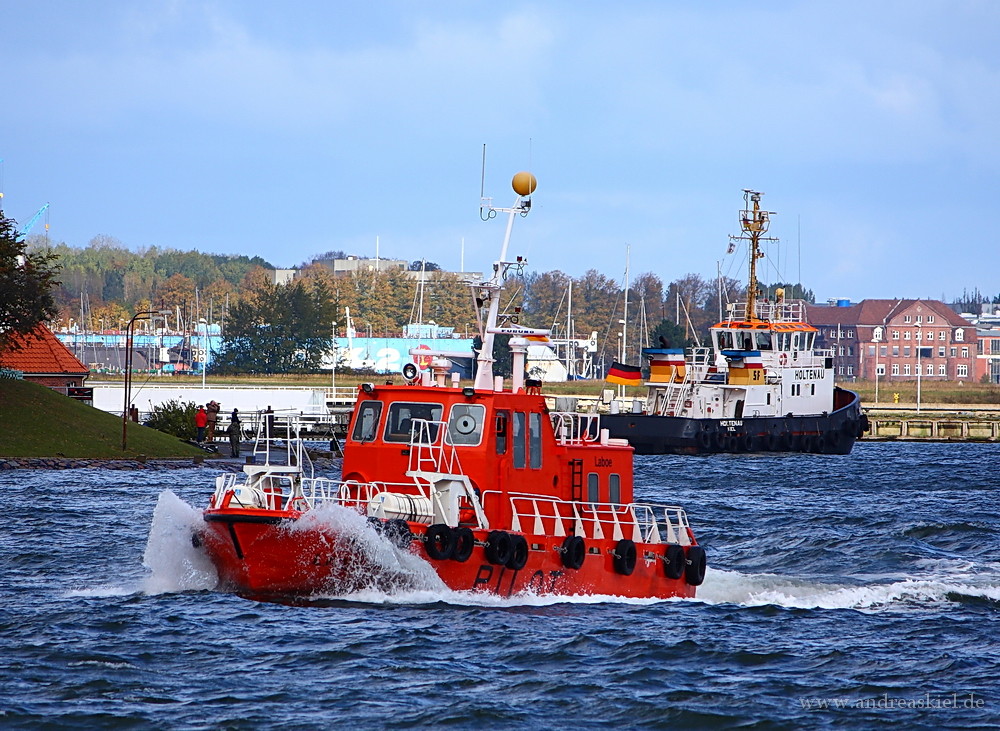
[[177, 291], [26, 282]]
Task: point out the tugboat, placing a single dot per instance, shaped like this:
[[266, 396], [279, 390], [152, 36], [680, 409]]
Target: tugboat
[[761, 386], [479, 483]]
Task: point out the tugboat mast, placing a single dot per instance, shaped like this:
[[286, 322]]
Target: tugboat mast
[[753, 223]]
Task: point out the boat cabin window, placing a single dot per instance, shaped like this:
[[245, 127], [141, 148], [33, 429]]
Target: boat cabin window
[[535, 440], [724, 340], [796, 341], [615, 489], [465, 426], [518, 437], [593, 488], [502, 425], [763, 340], [366, 421], [399, 422]]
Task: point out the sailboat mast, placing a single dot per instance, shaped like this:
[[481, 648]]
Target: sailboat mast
[[570, 345], [624, 357]]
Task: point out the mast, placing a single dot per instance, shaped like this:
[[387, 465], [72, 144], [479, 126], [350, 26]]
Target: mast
[[570, 345], [753, 224], [489, 292]]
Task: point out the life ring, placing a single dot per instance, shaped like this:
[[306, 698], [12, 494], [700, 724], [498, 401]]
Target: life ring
[[674, 562], [518, 553], [574, 550], [625, 557], [694, 573], [464, 543], [498, 547], [439, 541], [783, 359]]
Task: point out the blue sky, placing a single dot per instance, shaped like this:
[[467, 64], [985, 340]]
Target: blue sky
[[288, 129]]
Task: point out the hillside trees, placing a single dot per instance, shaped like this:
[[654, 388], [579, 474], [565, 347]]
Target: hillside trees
[[26, 283], [285, 329]]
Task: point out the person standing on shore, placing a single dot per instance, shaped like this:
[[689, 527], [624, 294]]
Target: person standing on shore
[[213, 419], [234, 432], [200, 422]]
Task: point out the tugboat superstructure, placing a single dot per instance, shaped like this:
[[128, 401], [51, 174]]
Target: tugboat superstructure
[[482, 481], [761, 385]]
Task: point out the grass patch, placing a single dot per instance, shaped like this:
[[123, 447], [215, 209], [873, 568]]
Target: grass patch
[[35, 421]]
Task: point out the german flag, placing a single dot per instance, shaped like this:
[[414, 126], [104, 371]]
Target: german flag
[[625, 375]]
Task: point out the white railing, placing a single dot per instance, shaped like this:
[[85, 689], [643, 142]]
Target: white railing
[[640, 522], [572, 428], [772, 311], [430, 449]]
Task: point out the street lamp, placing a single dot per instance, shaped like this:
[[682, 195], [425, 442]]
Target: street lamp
[[918, 366], [129, 333]]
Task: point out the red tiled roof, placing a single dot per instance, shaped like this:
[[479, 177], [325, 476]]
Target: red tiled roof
[[40, 352], [873, 312]]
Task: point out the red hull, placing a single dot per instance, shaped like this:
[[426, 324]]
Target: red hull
[[265, 554]]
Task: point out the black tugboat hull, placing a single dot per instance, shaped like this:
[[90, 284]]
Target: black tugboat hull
[[831, 433]]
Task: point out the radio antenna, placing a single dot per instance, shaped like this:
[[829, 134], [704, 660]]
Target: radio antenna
[[482, 179], [485, 204]]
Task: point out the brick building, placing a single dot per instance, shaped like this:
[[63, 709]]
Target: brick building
[[894, 337], [43, 359]]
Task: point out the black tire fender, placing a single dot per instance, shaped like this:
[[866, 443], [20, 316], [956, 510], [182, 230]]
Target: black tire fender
[[674, 561], [625, 556], [498, 547], [518, 553], [694, 572], [464, 543], [439, 541], [574, 550], [397, 532]]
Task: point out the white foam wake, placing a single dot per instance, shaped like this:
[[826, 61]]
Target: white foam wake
[[732, 587], [175, 563]]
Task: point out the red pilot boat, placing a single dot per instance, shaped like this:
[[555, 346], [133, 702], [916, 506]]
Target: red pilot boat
[[479, 484]]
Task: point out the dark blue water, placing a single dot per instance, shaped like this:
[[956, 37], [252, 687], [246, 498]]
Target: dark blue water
[[848, 592]]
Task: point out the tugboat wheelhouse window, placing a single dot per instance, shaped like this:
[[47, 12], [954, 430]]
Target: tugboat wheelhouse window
[[502, 422], [399, 422], [535, 440], [517, 434], [366, 424], [465, 426], [593, 488], [615, 489]]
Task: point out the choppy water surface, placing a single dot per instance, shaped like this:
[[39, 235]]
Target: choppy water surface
[[842, 592]]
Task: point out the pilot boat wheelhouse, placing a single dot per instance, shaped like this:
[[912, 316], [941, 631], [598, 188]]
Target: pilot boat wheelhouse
[[762, 385], [480, 480]]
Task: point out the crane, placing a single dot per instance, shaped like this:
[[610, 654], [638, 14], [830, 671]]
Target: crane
[[34, 219]]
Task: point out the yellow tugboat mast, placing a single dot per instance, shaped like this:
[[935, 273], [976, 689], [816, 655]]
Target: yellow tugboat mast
[[753, 223]]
